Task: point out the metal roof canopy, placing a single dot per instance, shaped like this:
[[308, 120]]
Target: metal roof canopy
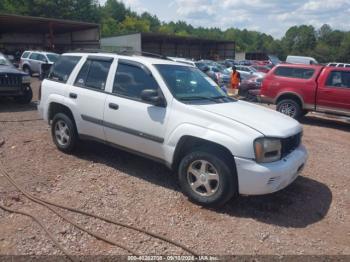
[[29, 24]]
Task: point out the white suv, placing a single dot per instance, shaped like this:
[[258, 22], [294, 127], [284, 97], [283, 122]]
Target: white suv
[[173, 113], [31, 61]]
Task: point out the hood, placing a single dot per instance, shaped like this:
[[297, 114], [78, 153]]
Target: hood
[[266, 121], [10, 70]]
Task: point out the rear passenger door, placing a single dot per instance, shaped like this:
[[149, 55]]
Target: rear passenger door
[[129, 121], [34, 62], [87, 95]]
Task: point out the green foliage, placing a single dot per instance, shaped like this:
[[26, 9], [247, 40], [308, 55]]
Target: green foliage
[[325, 44]]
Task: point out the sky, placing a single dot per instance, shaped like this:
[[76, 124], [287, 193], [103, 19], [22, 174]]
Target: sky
[[273, 17]]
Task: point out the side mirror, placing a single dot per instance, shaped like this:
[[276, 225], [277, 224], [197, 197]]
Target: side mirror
[[152, 96]]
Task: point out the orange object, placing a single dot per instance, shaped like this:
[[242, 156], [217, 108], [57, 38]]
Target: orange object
[[235, 79]]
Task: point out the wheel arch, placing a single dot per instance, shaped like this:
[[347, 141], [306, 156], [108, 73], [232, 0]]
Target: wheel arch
[[290, 95], [188, 143], [55, 108]]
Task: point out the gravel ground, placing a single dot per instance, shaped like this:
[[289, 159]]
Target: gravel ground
[[309, 217]]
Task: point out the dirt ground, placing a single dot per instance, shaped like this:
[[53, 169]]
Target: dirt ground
[[309, 217]]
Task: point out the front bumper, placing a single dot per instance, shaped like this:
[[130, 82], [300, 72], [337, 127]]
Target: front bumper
[[260, 179]]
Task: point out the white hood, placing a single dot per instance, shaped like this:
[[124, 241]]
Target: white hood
[[266, 121]]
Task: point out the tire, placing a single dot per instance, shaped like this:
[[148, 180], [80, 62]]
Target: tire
[[222, 187], [290, 108], [27, 70], [64, 133], [27, 97]]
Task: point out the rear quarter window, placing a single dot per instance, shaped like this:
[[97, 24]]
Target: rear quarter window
[[291, 72], [61, 70], [25, 54]]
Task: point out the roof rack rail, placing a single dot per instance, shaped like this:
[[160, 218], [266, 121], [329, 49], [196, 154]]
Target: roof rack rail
[[122, 52]]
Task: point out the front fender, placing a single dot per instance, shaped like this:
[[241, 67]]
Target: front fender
[[238, 144]]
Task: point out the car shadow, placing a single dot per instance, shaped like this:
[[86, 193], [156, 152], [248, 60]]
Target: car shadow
[[10, 106], [304, 202], [334, 123]]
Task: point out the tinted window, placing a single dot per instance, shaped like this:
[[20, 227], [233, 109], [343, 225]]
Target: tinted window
[[41, 58], [25, 54], [339, 79], [302, 73], [62, 69], [131, 80], [93, 74], [52, 57], [34, 56]]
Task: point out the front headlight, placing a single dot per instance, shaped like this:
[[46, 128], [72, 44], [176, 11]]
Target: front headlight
[[25, 79], [267, 149]]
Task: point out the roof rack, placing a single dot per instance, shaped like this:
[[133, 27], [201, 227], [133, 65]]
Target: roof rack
[[122, 52]]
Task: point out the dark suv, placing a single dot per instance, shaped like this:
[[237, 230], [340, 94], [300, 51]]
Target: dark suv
[[14, 83]]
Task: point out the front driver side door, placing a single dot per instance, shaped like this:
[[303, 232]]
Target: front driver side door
[[130, 122]]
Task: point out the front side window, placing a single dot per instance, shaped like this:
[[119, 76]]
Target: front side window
[[41, 58], [131, 80], [62, 69], [93, 74], [339, 79], [291, 72], [190, 84], [52, 57]]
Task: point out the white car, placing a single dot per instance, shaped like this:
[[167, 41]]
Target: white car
[[248, 71], [175, 114]]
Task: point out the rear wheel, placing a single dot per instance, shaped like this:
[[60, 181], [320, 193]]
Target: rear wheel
[[64, 133], [207, 179], [27, 70], [290, 108]]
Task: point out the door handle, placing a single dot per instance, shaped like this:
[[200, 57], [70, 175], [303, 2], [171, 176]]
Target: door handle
[[113, 106], [73, 95]]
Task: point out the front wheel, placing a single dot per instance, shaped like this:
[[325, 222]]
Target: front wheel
[[207, 179], [27, 96], [290, 108], [64, 133]]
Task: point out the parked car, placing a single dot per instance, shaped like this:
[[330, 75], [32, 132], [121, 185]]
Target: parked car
[[248, 71], [338, 64], [249, 88], [13, 82], [262, 68], [173, 113], [31, 61], [304, 60], [299, 89]]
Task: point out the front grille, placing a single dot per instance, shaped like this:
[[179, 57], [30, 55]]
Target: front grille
[[290, 144], [10, 80]]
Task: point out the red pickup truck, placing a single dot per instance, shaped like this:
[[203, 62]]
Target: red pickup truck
[[298, 89]]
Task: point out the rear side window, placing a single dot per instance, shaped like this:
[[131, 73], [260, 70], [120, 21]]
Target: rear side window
[[42, 58], [291, 72], [131, 80], [62, 69], [93, 74], [34, 56], [25, 54], [339, 79]]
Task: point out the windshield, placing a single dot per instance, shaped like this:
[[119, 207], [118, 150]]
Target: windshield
[[52, 57], [189, 83], [4, 61]]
